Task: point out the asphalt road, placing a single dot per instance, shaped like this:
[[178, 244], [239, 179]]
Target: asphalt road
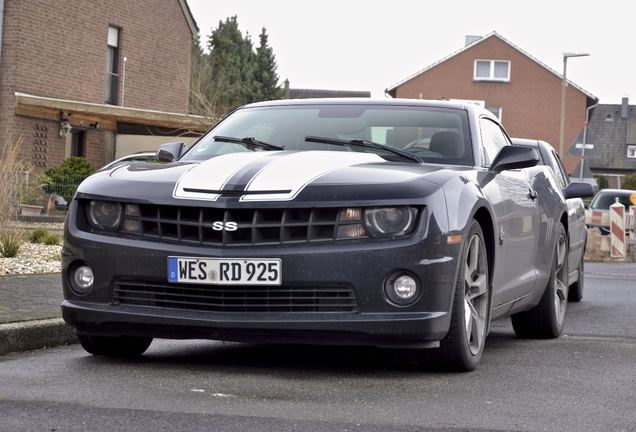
[[584, 381]]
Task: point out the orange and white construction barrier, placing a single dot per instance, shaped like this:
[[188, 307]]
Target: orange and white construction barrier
[[617, 230], [596, 218]]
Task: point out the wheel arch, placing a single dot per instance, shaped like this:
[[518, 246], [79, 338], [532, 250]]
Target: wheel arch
[[485, 221], [564, 221]]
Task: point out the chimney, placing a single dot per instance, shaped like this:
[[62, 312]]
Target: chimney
[[625, 108], [286, 89], [471, 39]]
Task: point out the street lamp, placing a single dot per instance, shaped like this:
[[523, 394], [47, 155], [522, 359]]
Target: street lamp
[[564, 85]]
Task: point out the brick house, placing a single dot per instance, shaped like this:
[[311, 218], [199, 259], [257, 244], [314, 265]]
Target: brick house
[[76, 78], [522, 91]]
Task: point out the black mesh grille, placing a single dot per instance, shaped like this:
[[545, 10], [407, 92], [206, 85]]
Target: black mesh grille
[[286, 298], [254, 226]]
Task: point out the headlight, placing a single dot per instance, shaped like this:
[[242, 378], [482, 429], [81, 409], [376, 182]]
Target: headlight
[[389, 221], [104, 214]]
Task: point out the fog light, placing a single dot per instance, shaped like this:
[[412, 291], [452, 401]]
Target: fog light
[[83, 278], [405, 287], [401, 289]]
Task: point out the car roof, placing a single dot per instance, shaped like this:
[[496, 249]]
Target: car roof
[[374, 101], [143, 153], [525, 142], [616, 191], [530, 142]]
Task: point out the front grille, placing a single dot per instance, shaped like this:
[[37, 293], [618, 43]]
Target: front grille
[[211, 298], [253, 226]]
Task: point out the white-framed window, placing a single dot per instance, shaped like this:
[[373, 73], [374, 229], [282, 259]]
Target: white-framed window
[[492, 70], [495, 110], [112, 65], [631, 151], [609, 117]]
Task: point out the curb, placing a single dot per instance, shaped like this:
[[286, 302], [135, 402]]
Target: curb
[[31, 335]]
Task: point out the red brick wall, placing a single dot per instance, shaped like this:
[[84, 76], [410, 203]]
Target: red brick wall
[[531, 101], [58, 49], [43, 147], [99, 150]]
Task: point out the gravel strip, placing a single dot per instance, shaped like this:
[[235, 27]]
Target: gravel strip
[[30, 226], [33, 258]]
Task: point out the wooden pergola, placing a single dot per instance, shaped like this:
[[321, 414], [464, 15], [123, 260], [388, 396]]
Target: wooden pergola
[[107, 117]]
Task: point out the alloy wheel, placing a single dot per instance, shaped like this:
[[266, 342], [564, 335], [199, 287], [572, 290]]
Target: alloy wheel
[[475, 294]]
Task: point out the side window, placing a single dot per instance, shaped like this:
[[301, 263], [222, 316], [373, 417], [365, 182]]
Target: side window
[[493, 140], [562, 175]]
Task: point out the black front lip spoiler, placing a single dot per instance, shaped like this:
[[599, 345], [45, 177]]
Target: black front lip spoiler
[[395, 330]]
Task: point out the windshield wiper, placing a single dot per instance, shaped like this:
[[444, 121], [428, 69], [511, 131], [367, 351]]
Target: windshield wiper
[[363, 143], [248, 141]]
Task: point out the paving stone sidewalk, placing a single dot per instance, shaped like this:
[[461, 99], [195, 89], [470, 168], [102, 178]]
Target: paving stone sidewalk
[[30, 297], [30, 314]]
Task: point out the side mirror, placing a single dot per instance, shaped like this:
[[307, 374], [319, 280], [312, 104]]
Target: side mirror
[[514, 157], [170, 152], [578, 190]]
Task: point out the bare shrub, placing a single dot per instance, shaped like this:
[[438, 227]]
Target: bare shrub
[[12, 176]]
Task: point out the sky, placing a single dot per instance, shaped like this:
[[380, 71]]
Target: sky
[[372, 45]]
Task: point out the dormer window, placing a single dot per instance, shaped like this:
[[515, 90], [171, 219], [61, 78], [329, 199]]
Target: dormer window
[[492, 70]]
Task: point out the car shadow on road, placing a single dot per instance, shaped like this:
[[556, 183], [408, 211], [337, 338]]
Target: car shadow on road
[[292, 360]]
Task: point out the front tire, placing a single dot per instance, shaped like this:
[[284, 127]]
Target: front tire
[[462, 347], [114, 346], [546, 319]]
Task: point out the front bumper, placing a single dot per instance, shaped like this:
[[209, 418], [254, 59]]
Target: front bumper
[[361, 265]]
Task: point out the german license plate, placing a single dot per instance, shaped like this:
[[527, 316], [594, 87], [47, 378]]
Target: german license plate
[[217, 271]]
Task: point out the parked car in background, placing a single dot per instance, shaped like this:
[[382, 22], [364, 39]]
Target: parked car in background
[[606, 197], [131, 159], [396, 223], [577, 230]]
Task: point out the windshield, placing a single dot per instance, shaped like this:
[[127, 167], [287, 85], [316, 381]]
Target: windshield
[[437, 135], [604, 200]]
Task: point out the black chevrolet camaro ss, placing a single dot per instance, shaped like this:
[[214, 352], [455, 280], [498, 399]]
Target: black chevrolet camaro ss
[[394, 223]]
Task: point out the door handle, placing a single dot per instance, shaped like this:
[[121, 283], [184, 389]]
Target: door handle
[[532, 194]]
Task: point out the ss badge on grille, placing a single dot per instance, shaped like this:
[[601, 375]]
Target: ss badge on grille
[[227, 226]]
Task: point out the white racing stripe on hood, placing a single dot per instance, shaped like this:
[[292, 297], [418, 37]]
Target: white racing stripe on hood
[[296, 170], [213, 174]]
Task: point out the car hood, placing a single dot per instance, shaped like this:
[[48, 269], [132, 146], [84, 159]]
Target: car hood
[[280, 176]]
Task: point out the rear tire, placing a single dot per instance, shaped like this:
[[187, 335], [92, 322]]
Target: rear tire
[[115, 346], [462, 347], [546, 319], [575, 294]]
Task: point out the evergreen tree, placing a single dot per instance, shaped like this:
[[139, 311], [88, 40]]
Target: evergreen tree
[[233, 63], [233, 73], [265, 75], [630, 182]]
